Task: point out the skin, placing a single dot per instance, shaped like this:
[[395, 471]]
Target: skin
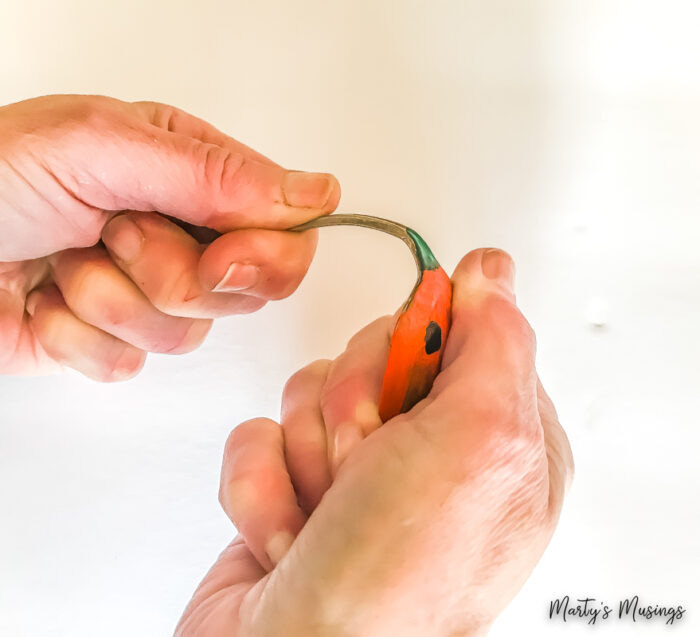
[[428, 524], [78, 170]]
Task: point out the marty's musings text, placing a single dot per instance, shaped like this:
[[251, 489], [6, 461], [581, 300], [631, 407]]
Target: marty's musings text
[[594, 610]]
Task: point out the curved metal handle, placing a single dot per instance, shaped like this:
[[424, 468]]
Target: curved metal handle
[[423, 256]]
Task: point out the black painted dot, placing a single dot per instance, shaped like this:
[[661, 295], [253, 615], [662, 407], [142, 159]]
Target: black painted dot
[[433, 338]]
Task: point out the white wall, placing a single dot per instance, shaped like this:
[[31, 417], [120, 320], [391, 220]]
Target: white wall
[[565, 132]]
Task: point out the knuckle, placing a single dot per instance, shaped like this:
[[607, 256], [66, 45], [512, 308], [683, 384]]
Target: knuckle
[[298, 383], [383, 324], [147, 105], [169, 295], [89, 291], [508, 324], [160, 115], [169, 279], [339, 387], [245, 431], [500, 312], [94, 112], [220, 167]]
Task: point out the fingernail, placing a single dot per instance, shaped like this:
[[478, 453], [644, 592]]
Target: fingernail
[[307, 190], [347, 437], [123, 238], [278, 546], [498, 266], [129, 362], [239, 276]]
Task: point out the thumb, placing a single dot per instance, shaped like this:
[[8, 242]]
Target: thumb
[[224, 188]]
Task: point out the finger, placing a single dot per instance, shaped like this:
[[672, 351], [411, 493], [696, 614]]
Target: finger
[[20, 352], [78, 345], [100, 294], [162, 260], [148, 168], [560, 459], [350, 396], [305, 446], [490, 346], [176, 120], [268, 264], [256, 491]]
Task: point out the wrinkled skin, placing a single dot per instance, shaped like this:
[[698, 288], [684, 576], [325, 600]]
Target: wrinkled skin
[[78, 170], [427, 525]]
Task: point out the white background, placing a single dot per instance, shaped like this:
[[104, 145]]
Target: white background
[[565, 132]]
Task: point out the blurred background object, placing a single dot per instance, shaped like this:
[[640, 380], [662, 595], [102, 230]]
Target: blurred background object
[[567, 133]]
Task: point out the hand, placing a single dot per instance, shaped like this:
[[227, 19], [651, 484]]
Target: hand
[[70, 166], [427, 525]]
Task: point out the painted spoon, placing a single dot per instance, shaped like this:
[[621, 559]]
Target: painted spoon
[[418, 340]]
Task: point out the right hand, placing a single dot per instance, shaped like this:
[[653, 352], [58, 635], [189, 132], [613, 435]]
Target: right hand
[[425, 525]]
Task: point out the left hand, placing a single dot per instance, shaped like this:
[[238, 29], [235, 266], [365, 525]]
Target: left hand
[[77, 170]]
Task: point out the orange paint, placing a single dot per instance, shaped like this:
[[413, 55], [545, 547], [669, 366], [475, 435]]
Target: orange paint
[[413, 361]]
